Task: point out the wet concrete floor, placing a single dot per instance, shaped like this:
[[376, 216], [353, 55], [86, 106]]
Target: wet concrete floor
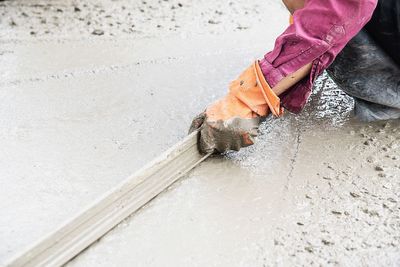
[[82, 113], [317, 189]]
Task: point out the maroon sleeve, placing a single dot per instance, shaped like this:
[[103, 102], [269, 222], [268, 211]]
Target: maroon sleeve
[[319, 32]]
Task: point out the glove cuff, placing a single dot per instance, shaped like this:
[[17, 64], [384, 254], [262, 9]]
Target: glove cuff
[[273, 101], [253, 90]]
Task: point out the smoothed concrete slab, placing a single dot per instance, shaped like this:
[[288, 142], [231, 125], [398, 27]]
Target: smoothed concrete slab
[[309, 192], [70, 133]]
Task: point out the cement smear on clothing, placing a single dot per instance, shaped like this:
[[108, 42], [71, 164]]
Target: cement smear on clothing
[[317, 189]]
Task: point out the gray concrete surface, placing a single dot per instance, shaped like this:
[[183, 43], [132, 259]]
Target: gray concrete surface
[[82, 112], [317, 189], [122, 18], [92, 93]]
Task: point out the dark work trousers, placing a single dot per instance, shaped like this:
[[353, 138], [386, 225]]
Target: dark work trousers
[[368, 68]]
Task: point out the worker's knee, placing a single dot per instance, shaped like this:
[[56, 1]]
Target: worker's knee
[[293, 5]]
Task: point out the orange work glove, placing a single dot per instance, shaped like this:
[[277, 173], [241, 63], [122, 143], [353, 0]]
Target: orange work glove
[[232, 122]]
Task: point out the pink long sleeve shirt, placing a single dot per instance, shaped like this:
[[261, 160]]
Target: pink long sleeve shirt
[[319, 32]]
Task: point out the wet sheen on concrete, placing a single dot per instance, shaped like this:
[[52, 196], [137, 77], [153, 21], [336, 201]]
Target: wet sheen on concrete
[[318, 188], [82, 111], [80, 114]]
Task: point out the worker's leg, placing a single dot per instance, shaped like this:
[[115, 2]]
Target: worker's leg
[[369, 111], [363, 70], [366, 69], [384, 27]]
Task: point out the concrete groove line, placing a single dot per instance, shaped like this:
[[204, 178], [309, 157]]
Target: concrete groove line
[[106, 69], [60, 75], [120, 202], [294, 158], [298, 138]]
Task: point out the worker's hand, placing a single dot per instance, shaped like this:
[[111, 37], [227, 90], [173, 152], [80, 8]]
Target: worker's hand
[[217, 135], [232, 122]]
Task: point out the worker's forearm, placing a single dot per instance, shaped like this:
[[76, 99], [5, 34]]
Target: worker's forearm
[[293, 5], [290, 80], [320, 31]]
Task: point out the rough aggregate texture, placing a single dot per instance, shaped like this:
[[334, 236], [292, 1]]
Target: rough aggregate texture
[[318, 189], [349, 212], [21, 19], [81, 111]]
